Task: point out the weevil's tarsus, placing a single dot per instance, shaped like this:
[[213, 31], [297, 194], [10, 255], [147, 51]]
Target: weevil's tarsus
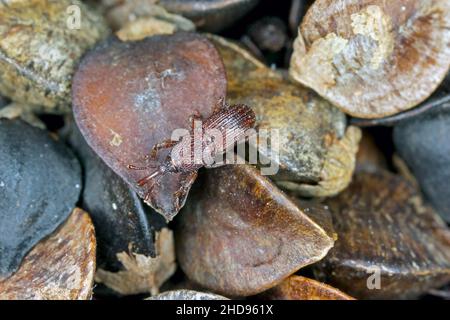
[[142, 182]]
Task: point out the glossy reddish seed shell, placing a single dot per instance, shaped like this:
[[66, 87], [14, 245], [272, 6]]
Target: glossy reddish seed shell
[[129, 96]]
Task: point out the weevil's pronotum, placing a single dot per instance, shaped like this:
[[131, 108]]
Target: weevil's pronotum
[[231, 122]]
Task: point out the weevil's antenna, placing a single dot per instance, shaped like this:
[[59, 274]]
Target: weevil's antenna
[[133, 167], [146, 179]]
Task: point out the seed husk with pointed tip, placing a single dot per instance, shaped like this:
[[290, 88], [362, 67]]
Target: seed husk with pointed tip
[[39, 50], [301, 288], [385, 231], [142, 274], [210, 15], [129, 96], [239, 235], [123, 223], [187, 295], [423, 142], [316, 151], [40, 183], [371, 58], [60, 267]]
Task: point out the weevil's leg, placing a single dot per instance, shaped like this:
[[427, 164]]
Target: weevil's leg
[[144, 181], [150, 189], [159, 146], [148, 178], [185, 185]]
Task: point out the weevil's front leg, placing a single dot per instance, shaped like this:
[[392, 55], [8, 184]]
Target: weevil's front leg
[[159, 146], [149, 189], [185, 185]]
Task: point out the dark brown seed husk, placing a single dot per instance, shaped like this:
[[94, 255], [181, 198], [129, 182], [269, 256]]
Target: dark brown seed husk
[[370, 58], [240, 235], [301, 288], [60, 267], [385, 230], [129, 96], [39, 50], [123, 223]]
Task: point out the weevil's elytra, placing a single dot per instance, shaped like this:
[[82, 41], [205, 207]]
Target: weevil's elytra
[[230, 122]]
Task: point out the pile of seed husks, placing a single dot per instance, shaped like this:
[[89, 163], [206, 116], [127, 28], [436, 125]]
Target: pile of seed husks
[[354, 93]]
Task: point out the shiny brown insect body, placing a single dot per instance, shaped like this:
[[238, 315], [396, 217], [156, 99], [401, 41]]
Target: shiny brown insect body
[[227, 126]]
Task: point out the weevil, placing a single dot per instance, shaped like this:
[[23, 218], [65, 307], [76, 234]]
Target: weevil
[[231, 122]]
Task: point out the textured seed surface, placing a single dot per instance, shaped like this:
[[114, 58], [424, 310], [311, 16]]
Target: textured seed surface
[[440, 97], [129, 96], [38, 50], [373, 58], [384, 228], [240, 235], [40, 183], [60, 267]]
